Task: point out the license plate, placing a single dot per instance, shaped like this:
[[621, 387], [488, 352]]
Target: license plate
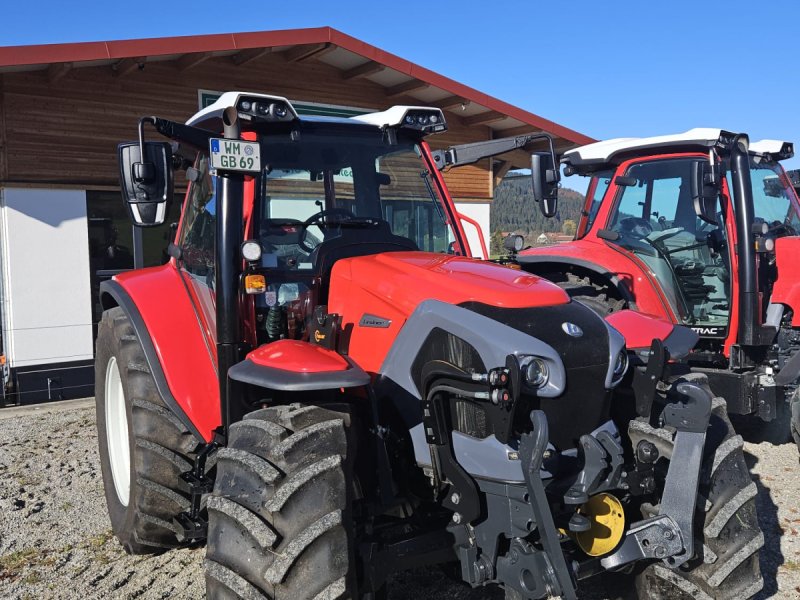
[[235, 155]]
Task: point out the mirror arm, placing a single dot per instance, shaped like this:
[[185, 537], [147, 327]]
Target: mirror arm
[[467, 154]]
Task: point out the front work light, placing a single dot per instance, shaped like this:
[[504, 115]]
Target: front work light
[[620, 367], [421, 118], [535, 371], [251, 251]]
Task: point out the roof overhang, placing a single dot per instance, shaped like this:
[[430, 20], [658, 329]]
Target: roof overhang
[[404, 83]]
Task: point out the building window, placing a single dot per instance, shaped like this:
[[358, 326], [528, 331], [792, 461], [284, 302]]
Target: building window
[[111, 246]]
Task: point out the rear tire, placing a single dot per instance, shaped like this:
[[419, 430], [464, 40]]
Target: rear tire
[[144, 448], [280, 524], [726, 564]]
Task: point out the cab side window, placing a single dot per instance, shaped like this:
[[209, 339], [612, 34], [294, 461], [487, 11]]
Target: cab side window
[[199, 226]]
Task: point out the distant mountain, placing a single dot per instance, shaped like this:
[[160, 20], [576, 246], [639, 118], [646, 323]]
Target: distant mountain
[[515, 210]]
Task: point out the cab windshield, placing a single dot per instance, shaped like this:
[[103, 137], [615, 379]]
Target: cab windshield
[[335, 194], [655, 219]]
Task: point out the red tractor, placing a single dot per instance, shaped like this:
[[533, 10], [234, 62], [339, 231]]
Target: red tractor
[[698, 228], [324, 388]]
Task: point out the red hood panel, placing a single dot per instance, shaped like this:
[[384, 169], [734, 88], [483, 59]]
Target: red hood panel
[[404, 279], [376, 294]]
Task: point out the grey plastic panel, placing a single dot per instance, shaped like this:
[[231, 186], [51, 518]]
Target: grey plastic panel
[[278, 379], [681, 341], [774, 315], [488, 458], [492, 340], [616, 342]]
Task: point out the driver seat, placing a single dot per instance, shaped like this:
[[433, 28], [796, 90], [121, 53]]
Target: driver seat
[[355, 241]]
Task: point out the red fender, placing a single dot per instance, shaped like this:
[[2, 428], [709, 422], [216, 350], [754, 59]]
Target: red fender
[[639, 331], [185, 357]]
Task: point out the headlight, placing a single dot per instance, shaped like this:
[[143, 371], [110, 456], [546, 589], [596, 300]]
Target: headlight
[[251, 251], [536, 373], [620, 367]]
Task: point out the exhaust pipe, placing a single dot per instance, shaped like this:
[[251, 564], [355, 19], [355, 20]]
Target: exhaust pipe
[[230, 199], [749, 318]]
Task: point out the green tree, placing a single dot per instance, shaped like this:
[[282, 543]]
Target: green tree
[[569, 227], [496, 243], [514, 209]]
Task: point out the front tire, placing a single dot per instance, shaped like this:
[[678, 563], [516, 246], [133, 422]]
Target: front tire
[[726, 564], [280, 522], [144, 448]]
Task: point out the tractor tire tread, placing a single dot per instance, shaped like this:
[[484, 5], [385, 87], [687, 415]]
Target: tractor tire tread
[[162, 447], [279, 516], [725, 519]]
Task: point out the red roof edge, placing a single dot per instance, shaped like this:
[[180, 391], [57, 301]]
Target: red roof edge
[[120, 49]]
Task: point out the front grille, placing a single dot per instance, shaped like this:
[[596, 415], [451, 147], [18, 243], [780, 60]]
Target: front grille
[[470, 419]]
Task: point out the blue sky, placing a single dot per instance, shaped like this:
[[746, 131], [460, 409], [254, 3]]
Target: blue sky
[[606, 69]]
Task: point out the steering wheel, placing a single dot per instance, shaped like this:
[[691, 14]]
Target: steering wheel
[[315, 219], [660, 236], [635, 227]]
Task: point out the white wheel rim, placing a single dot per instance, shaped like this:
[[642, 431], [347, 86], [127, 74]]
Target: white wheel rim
[[119, 454]]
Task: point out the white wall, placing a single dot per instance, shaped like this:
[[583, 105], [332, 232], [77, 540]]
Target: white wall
[[480, 212], [46, 297]]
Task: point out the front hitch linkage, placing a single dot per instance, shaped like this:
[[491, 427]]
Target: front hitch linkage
[[670, 535]]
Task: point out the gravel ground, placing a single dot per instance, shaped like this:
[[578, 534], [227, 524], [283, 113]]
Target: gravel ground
[[56, 542]]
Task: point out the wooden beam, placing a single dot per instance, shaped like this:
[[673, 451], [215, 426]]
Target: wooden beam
[[452, 118], [190, 61], [306, 51], [247, 56], [127, 66], [490, 116], [404, 88], [368, 68], [499, 171], [451, 103], [57, 71]]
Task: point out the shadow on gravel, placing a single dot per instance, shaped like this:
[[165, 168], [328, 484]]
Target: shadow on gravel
[[431, 582], [770, 556]]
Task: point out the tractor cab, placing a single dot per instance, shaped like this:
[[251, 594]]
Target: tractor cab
[[329, 189], [663, 201], [699, 228], [315, 190]]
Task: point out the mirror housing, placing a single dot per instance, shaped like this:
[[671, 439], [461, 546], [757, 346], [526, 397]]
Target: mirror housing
[[147, 184], [545, 176], [705, 190]]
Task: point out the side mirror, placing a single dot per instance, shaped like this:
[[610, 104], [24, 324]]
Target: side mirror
[[146, 183], [545, 177], [705, 190]]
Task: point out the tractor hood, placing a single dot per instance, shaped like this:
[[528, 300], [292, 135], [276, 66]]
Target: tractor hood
[[404, 279], [376, 294]]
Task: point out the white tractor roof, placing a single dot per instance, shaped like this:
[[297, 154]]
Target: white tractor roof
[[615, 150], [777, 149], [394, 116], [214, 111], [424, 118], [607, 151]]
